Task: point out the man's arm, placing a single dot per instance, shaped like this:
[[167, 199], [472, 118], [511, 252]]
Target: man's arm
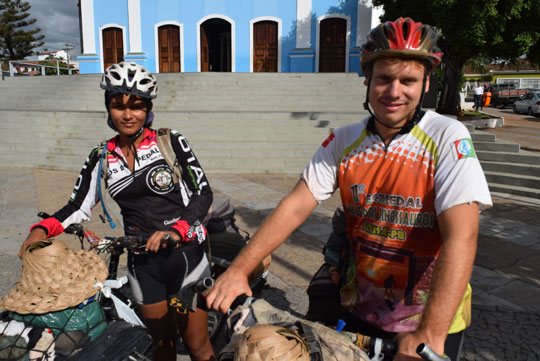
[[290, 213], [459, 230]]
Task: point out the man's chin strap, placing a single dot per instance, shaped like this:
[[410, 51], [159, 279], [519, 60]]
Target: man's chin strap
[[416, 116]]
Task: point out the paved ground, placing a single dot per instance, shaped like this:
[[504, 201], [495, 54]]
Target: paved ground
[[518, 128], [506, 279]]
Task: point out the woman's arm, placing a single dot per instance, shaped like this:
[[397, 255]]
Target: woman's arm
[[78, 209]]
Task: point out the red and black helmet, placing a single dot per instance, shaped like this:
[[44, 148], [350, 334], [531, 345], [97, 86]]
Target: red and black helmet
[[402, 38]]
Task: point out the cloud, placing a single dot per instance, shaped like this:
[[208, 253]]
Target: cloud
[[59, 22]]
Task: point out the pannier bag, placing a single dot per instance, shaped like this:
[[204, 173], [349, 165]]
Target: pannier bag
[[324, 343], [226, 239], [54, 335]]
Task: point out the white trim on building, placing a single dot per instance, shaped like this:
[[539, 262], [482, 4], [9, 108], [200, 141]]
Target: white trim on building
[[233, 39], [303, 24], [347, 39], [101, 54], [156, 41], [134, 22], [87, 19], [279, 37]]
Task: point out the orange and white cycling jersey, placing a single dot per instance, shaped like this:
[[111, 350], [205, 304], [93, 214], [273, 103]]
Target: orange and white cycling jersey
[[392, 196]]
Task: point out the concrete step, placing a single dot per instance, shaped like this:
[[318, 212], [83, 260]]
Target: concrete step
[[194, 80], [253, 135], [512, 168], [199, 91], [179, 121], [523, 157], [518, 180], [277, 165], [515, 190], [497, 147], [483, 137]]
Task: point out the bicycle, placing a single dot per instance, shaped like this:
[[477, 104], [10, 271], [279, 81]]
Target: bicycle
[[115, 247]]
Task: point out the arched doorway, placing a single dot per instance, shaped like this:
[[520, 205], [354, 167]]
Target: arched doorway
[[113, 46], [169, 49], [265, 46], [333, 45], [216, 45]]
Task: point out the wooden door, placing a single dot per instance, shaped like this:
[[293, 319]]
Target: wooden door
[[205, 51], [265, 46], [113, 46], [332, 46], [169, 49]]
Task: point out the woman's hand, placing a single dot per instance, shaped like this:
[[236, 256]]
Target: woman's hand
[[157, 240], [36, 235]]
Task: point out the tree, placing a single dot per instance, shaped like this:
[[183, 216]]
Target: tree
[[17, 41], [495, 30]]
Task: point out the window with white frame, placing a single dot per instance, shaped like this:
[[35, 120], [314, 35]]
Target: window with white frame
[[533, 83], [508, 81]]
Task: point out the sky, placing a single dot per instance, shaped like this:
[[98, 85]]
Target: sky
[[59, 22]]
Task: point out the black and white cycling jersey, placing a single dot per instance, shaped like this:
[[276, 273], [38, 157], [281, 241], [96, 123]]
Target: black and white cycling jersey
[[148, 198]]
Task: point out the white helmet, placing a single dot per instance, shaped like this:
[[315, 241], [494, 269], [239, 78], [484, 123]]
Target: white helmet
[[130, 78]]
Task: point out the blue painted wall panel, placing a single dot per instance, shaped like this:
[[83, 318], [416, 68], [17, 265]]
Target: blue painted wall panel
[[189, 14]]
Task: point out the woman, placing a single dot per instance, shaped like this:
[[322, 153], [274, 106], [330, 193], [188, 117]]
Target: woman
[[141, 182]]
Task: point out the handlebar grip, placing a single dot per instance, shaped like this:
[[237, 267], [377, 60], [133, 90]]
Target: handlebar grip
[[428, 354], [203, 285], [169, 241], [43, 215], [384, 346]]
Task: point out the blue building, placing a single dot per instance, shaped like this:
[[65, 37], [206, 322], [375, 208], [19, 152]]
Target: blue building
[[225, 35]]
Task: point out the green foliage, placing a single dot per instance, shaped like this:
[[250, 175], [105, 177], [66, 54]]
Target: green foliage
[[17, 40], [486, 30], [53, 70]]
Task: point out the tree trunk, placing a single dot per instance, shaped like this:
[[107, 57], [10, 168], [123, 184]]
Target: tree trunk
[[449, 102]]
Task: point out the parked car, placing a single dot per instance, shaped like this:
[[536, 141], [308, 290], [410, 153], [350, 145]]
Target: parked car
[[528, 103]]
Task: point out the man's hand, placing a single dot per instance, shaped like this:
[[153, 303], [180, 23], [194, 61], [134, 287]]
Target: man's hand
[[156, 240], [36, 235], [231, 284], [409, 341]]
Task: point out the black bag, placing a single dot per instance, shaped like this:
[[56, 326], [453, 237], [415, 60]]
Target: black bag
[[324, 298], [226, 239], [121, 341], [323, 290]]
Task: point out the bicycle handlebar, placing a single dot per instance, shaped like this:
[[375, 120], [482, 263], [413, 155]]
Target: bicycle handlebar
[[380, 348], [424, 351]]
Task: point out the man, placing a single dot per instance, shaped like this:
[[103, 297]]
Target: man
[[411, 188], [478, 94]]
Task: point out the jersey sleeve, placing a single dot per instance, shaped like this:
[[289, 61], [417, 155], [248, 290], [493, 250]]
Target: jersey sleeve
[[195, 188], [321, 173], [459, 178], [82, 200]]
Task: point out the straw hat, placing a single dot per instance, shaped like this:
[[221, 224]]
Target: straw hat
[[53, 278], [271, 343]]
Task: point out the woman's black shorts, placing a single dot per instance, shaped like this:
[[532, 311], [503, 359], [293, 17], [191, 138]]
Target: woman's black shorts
[[155, 276]]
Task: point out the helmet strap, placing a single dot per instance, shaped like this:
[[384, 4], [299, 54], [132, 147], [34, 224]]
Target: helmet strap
[[132, 139]]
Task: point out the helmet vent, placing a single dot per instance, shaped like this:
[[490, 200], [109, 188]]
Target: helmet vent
[[406, 30], [129, 78]]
